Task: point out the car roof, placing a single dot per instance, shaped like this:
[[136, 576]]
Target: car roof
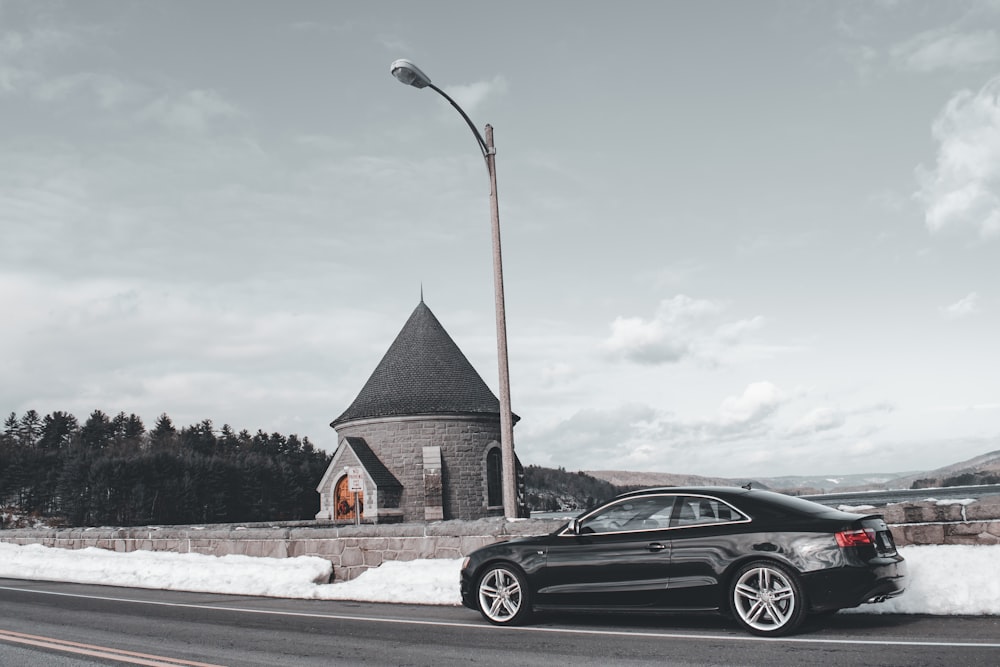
[[747, 499], [692, 490]]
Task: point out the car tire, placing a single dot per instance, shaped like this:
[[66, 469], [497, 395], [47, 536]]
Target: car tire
[[503, 596], [766, 599]]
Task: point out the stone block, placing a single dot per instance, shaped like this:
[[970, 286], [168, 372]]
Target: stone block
[[925, 534], [426, 548], [921, 513], [899, 535], [987, 537], [892, 513], [352, 558], [325, 533], [962, 528], [471, 543], [985, 509]]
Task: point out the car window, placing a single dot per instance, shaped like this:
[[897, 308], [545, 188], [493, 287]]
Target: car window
[[634, 513], [701, 510]]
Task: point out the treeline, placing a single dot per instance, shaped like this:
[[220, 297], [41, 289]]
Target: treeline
[[964, 479], [554, 489], [113, 471]]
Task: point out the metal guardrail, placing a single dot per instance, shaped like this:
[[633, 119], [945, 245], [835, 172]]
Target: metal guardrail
[[905, 495]]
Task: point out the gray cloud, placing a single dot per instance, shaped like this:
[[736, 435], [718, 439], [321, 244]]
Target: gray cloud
[[681, 328]]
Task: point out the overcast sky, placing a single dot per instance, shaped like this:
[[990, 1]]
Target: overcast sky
[[740, 238]]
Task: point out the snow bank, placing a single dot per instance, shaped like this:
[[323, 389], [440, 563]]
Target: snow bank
[[943, 580], [947, 579]]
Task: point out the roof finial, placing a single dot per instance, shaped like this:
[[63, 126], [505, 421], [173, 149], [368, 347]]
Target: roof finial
[[421, 291]]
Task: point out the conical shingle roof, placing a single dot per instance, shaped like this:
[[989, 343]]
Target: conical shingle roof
[[422, 373]]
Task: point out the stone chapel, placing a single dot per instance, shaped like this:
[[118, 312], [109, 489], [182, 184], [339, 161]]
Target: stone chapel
[[421, 442]]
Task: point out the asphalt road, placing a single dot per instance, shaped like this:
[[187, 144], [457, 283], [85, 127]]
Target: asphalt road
[[58, 624]]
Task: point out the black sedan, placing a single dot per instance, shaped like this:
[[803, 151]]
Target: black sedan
[[765, 558]]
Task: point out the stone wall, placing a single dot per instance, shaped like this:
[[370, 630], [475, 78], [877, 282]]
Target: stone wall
[[944, 522], [353, 549]]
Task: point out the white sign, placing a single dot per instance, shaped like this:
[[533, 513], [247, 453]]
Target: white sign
[[355, 482]]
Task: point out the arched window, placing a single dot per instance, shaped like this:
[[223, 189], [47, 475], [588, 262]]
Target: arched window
[[343, 502], [494, 477]]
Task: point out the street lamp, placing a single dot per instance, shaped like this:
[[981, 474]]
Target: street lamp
[[411, 75]]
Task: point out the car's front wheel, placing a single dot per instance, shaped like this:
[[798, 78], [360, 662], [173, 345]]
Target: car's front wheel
[[766, 599], [503, 595]]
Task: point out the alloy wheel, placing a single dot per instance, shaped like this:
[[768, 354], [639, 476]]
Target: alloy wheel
[[502, 596], [767, 600]]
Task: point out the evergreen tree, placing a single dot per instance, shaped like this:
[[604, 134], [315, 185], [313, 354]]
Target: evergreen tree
[[29, 429], [58, 430], [97, 432], [163, 435], [103, 472]]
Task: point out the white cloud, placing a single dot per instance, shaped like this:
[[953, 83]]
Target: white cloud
[[962, 190], [818, 419], [947, 49], [682, 327], [472, 95], [757, 402], [638, 436], [964, 307], [645, 342]]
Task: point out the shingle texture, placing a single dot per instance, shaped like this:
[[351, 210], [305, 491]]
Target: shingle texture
[[422, 373], [376, 469]]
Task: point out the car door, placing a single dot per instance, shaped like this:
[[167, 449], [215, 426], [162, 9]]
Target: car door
[[619, 556], [707, 535]]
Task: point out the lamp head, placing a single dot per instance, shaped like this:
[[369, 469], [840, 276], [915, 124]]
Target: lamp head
[[409, 73]]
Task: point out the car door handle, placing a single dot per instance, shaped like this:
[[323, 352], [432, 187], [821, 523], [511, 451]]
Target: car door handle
[[655, 546]]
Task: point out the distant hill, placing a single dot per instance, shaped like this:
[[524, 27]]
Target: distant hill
[[554, 489], [794, 484], [551, 489], [982, 469], [625, 478]]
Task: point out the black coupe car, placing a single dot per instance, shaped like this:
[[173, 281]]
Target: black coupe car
[[765, 558]]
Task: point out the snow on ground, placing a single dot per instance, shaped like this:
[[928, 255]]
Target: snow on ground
[[943, 580]]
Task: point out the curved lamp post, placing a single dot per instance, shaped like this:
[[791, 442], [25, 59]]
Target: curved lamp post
[[411, 75]]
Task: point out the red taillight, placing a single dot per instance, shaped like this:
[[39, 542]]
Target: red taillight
[[855, 538]]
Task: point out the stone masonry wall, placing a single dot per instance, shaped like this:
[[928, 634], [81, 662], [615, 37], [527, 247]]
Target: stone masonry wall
[[353, 549], [399, 443], [930, 522]]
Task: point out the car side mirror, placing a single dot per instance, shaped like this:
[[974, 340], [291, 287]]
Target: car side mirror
[[573, 527]]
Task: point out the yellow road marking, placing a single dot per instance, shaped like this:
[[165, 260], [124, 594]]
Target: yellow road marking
[[130, 657]]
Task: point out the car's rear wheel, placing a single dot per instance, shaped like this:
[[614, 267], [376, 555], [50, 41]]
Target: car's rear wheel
[[503, 595], [766, 599]]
